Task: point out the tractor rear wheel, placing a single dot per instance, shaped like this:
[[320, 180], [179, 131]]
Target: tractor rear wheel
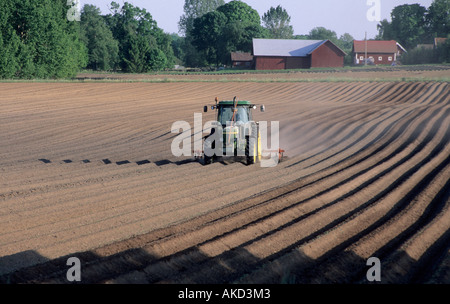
[[251, 150], [209, 144]]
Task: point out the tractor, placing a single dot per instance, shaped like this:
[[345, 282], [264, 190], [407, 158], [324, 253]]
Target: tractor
[[234, 134]]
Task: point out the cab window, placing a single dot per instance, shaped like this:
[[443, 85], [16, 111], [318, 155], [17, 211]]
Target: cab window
[[226, 114]]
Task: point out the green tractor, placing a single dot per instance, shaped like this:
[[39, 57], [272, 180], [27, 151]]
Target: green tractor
[[234, 134]]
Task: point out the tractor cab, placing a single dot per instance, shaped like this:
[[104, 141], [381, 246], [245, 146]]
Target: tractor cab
[[233, 111]]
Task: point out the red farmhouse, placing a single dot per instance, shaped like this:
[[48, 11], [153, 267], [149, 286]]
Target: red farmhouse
[[378, 51]]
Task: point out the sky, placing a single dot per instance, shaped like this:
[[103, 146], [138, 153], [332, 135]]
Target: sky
[[356, 17]]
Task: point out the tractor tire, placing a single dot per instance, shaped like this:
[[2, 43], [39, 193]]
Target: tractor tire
[[207, 160], [253, 145], [251, 150]]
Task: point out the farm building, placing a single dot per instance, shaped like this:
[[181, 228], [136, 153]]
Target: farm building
[[378, 51], [279, 54], [431, 46], [241, 59], [439, 41]]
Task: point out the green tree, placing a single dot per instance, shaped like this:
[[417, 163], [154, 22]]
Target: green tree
[[138, 60], [408, 22], [239, 11], [229, 28], [44, 43], [301, 37], [345, 42], [276, 21], [385, 31], [140, 39], [177, 46], [103, 49], [408, 25], [9, 42], [236, 36], [242, 25], [192, 56], [206, 33], [193, 9], [438, 18], [321, 33]]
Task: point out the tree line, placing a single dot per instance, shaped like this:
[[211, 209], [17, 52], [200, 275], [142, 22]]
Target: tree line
[[127, 39], [413, 24], [38, 41]]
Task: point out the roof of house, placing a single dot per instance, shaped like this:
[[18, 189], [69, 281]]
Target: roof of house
[[425, 46], [376, 46], [286, 47], [241, 56], [439, 41]]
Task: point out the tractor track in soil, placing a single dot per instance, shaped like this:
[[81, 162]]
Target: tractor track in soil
[[367, 175]]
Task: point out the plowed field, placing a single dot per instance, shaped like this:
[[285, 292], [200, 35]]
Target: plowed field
[[86, 171]]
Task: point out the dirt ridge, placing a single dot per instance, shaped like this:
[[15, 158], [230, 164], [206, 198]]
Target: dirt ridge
[[367, 175]]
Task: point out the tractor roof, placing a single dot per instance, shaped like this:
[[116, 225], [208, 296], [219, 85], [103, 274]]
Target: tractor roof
[[230, 103]]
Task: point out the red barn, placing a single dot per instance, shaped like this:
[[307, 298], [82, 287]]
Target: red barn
[[279, 54], [378, 51]]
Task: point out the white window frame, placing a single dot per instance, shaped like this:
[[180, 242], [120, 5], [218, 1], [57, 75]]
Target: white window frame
[[390, 58]]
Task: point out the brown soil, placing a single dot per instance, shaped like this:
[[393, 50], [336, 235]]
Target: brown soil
[[86, 170]]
